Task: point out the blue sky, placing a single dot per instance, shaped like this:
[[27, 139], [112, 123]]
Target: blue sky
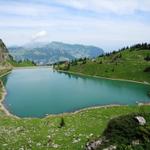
[[110, 24]]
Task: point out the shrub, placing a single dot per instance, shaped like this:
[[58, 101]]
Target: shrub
[[100, 62], [123, 130], [147, 69], [62, 123], [147, 58]]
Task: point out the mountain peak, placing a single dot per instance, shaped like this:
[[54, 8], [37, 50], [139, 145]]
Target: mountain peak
[[54, 51]]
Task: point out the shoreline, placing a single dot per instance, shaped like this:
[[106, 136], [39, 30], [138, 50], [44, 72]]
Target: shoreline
[[4, 93], [2, 107], [84, 109], [100, 77], [6, 111], [32, 67]]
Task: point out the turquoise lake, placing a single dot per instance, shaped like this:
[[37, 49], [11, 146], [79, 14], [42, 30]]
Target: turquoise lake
[[41, 91]]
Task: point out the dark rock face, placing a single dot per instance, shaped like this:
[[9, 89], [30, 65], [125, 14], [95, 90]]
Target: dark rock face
[[3, 52]]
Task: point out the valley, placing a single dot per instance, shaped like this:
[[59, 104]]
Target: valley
[[74, 130]]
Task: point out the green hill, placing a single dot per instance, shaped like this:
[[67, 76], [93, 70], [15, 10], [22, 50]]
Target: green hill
[[128, 63]]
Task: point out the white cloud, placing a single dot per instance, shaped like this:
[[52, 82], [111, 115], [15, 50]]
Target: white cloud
[[21, 22], [39, 35], [119, 7], [105, 6], [108, 34], [27, 9]]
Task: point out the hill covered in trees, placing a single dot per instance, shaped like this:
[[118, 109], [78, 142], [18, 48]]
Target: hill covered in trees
[[132, 63]]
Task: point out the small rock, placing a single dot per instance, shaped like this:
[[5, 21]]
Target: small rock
[[141, 120], [135, 142], [93, 145]]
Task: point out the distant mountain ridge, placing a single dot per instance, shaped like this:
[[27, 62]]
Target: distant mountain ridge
[[53, 52]]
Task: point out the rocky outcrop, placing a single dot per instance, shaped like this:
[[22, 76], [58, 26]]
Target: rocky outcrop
[[4, 55], [141, 120], [96, 145], [93, 145]]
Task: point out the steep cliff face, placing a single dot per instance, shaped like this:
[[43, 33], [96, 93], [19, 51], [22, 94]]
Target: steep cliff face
[[4, 55], [5, 66]]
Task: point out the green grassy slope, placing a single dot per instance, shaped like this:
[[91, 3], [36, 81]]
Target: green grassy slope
[[46, 134], [25, 63], [123, 65], [130, 66]]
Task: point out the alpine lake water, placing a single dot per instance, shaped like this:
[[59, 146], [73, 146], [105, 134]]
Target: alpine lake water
[[37, 92]]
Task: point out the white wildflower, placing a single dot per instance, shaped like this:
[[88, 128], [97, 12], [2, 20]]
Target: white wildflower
[[55, 145], [38, 144], [49, 136]]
